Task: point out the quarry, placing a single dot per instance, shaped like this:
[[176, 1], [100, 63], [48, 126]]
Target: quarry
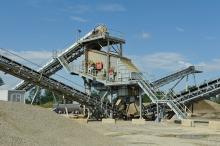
[[117, 106]]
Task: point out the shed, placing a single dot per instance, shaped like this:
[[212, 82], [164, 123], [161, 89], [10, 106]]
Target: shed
[[12, 95]]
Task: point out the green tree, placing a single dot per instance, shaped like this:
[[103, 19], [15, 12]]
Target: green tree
[[47, 97], [146, 98], [33, 92]]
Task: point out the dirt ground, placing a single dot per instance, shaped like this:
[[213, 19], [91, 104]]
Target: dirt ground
[[26, 125], [167, 133], [162, 134]]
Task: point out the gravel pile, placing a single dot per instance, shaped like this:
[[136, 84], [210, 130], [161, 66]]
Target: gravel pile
[[26, 125], [206, 109]]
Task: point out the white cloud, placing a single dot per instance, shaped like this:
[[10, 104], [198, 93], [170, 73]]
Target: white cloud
[[180, 29], [145, 35], [111, 8], [33, 59], [167, 61], [78, 9], [209, 37], [211, 66], [29, 55], [78, 19], [81, 8]]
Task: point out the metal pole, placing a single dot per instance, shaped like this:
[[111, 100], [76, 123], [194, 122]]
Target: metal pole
[[120, 53], [84, 110], [111, 112], [157, 112], [86, 60], [64, 100], [194, 77], [187, 85], [140, 101], [54, 98], [35, 94], [108, 61]]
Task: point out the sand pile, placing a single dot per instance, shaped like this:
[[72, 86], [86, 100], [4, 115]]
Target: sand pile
[[26, 125], [206, 109]]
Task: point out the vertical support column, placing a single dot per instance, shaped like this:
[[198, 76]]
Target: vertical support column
[[194, 78], [64, 100], [103, 98], [86, 60], [108, 61], [157, 120], [140, 102], [54, 98], [187, 84], [120, 50], [111, 112], [84, 110], [87, 85]]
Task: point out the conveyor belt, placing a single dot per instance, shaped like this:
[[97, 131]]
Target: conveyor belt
[[175, 76], [25, 73], [194, 94], [95, 39], [205, 90]]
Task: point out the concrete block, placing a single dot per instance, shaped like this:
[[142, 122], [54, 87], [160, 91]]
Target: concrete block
[[214, 125], [187, 123], [108, 121], [138, 121], [81, 120]]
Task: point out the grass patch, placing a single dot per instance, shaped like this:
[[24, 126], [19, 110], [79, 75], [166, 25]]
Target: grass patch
[[47, 105]]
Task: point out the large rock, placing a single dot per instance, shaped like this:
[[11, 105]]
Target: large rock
[[108, 121], [138, 121], [187, 123]]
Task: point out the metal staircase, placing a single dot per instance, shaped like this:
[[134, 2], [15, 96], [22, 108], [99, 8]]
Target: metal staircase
[[149, 90], [185, 98], [175, 76], [179, 108], [196, 93], [174, 106], [146, 87]]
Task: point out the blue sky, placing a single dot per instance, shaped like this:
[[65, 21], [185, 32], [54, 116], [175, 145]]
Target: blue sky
[[161, 36]]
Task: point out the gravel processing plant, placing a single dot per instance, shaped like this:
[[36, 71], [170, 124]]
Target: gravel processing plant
[[173, 117]]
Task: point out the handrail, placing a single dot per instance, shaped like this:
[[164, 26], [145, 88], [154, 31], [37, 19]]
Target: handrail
[[185, 107]]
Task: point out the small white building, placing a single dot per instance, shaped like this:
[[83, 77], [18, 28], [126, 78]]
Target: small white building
[[12, 95]]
